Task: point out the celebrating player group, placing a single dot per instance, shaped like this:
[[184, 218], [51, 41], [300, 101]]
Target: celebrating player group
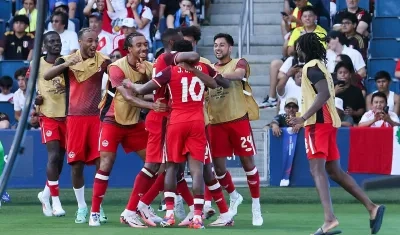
[[199, 114]]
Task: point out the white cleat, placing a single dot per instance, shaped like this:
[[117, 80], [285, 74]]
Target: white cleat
[[146, 215], [154, 217], [81, 215], [223, 220], [208, 212], [132, 220], [94, 219], [179, 209], [103, 217], [188, 219], [46, 207], [234, 203], [257, 217], [58, 212], [284, 183]]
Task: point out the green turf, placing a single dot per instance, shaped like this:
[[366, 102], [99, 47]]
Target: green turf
[[285, 211]]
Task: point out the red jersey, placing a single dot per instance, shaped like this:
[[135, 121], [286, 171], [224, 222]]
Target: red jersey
[[83, 98], [186, 92]]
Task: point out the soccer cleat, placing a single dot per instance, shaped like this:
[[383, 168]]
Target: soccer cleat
[[257, 217], [284, 183], [154, 217], [6, 197], [168, 221], [81, 215], [46, 207], [162, 206], [146, 216], [94, 219], [223, 220], [208, 212], [234, 203], [197, 223], [103, 217], [179, 209], [58, 212], [132, 220], [188, 219]]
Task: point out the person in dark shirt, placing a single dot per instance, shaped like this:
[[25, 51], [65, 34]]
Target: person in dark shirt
[[355, 40], [363, 17], [353, 99], [282, 120], [17, 44]]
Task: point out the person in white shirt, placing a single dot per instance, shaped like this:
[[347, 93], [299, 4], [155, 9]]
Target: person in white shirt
[[6, 84], [105, 45], [379, 115], [337, 45], [69, 39], [19, 95], [128, 27], [143, 17], [62, 6]]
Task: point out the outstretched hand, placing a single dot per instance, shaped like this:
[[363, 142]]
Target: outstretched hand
[[140, 66]]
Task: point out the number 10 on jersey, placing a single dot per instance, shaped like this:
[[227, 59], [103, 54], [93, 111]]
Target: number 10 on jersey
[[188, 89]]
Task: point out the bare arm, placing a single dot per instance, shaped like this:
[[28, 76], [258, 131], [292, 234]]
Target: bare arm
[[237, 75], [367, 123], [30, 55], [135, 101], [141, 89], [223, 82], [282, 80], [140, 21], [72, 9], [322, 96], [362, 27], [188, 57], [55, 71], [88, 8], [110, 8], [17, 114], [362, 72], [161, 11], [205, 78]]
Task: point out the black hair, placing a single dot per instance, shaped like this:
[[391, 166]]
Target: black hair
[[192, 31], [48, 34], [128, 40], [83, 31], [21, 72], [310, 44], [383, 74], [344, 65], [379, 94], [63, 15], [159, 51], [347, 60], [308, 8], [227, 37], [168, 35], [34, 2], [350, 16], [182, 46], [6, 81]]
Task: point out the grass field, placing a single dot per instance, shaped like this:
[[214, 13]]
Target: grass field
[[285, 210]]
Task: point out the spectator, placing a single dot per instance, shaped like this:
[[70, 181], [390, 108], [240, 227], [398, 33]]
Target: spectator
[[347, 120], [379, 115], [337, 44], [207, 18], [353, 99], [191, 34], [19, 95], [397, 70], [282, 120], [95, 6], [355, 40], [128, 27], [105, 39], [358, 80], [185, 16], [309, 17], [61, 6], [30, 11], [167, 10], [142, 16], [4, 121], [69, 39], [6, 84], [105, 7], [17, 44], [362, 15], [383, 80], [71, 6]]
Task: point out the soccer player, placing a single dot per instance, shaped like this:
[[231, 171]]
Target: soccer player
[[230, 129], [82, 72], [121, 124], [52, 106], [321, 121], [186, 137]]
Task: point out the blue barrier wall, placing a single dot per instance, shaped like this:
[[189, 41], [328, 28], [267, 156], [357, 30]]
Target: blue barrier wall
[[301, 176]]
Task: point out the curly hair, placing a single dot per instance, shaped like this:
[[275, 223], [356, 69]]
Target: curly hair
[[310, 44]]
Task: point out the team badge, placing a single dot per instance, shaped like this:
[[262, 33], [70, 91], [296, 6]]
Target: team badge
[[49, 133], [104, 143], [71, 154]]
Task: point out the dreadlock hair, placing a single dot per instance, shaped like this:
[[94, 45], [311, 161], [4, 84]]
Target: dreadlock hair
[[182, 46], [191, 31], [83, 31], [310, 44], [128, 40]]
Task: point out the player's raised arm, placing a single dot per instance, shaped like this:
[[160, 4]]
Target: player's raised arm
[[60, 66], [188, 57], [205, 78], [240, 71], [160, 79]]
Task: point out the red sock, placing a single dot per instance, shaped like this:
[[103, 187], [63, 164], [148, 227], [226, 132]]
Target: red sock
[[183, 189], [207, 194], [155, 189], [253, 180], [54, 189], [140, 187], [218, 196], [99, 189], [198, 204], [226, 181], [169, 198]]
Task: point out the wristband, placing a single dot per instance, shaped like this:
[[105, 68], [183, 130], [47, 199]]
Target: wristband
[[304, 118], [128, 85]]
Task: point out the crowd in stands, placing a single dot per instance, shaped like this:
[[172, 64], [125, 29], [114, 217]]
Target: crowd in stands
[[346, 40], [113, 20]]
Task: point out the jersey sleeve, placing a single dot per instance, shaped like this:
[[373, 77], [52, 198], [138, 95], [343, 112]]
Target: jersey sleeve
[[163, 77], [242, 64], [169, 58], [211, 72], [116, 76], [59, 61], [315, 75]]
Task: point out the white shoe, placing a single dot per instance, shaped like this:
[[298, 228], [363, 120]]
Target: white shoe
[[81, 215], [257, 217], [225, 219], [94, 219], [103, 217], [179, 208], [188, 219], [46, 207], [208, 212], [154, 217], [132, 220], [234, 203], [284, 183], [146, 215], [58, 212]]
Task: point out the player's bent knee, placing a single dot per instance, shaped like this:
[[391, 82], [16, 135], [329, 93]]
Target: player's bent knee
[[153, 167], [247, 163]]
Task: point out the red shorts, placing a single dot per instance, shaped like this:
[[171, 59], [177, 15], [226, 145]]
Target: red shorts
[[156, 128], [232, 138], [132, 139], [320, 141], [83, 139], [184, 138], [52, 130]]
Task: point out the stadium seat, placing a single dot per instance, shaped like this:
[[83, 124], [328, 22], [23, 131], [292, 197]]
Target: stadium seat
[[341, 4], [384, 47], [386, 27], [8, 67], [19, 5], [5, 9], [2, 28], [386, 64], [371, 86], [324, 23], [77, 24], [8, 109], [387, 8]]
